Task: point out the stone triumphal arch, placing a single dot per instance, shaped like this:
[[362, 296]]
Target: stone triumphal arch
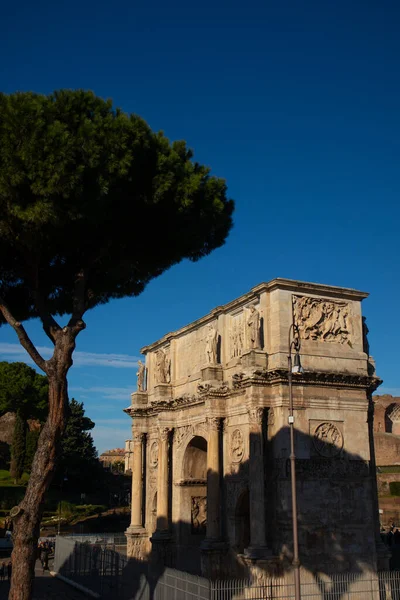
[[211, 483]]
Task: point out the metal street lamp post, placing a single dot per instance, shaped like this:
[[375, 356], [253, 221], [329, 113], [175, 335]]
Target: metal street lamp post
[[294, 368]]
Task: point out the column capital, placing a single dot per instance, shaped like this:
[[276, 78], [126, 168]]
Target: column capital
[[139, 437], [164, 433], [256, 415], [214, 423]]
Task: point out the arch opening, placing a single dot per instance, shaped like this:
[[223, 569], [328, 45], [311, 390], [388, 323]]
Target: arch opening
[[195, 460]]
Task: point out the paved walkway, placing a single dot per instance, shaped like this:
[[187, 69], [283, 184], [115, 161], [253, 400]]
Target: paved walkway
[[47, 587]]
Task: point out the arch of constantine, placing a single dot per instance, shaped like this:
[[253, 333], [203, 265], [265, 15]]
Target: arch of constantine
[[211, 481]]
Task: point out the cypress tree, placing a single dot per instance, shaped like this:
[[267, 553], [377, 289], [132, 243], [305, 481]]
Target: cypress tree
[[30, 448], [18, 448]]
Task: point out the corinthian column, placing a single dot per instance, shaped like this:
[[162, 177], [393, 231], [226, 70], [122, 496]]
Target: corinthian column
[[213, 479], [137, 480], [257, 547], [162, 481]]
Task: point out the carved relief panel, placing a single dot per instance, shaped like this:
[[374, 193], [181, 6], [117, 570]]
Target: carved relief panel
[[180, 433], [237, 446], [327, 438], [322, 320], [196, 349], [153, 458], [245, 331], [199, 515]]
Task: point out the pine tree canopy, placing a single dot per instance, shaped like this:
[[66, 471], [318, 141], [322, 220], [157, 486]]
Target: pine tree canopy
[[23, 390], [90, 196]]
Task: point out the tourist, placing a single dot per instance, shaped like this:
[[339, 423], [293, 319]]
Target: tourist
[[44, 558], [396, 537]]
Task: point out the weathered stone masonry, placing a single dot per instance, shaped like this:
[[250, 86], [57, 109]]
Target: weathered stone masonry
[[211, 482]]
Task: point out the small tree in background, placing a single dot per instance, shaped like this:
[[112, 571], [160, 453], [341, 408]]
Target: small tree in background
[[93, 206], [18, 448], [32, 438], [24, 392], [78, 455]]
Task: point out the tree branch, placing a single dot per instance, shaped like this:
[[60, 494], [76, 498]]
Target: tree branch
[[78, 302], [23, 337], [50, 325]]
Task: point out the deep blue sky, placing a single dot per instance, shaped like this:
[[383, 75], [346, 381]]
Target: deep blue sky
[[295, 103]]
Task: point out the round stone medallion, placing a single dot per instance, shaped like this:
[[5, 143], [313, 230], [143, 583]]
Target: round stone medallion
[[328, 440]]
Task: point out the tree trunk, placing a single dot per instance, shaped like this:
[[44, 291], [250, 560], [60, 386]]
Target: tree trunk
[[27, 522]]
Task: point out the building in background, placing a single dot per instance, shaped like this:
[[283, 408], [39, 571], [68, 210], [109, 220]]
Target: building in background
[[113, 459], [387, 452], [128, 455]]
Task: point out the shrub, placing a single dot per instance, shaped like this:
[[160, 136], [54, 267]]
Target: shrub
[[394, 487], [66, 509]]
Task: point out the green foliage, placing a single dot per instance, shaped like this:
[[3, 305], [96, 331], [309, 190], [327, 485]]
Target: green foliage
[[23, 389], [18, 448], [86, 188], [78, 459], [30, 448], [4, 455], [90, 509], [7, 480], [72, 511], [65, 509], [389, 469], [394, 487], [11, 495]]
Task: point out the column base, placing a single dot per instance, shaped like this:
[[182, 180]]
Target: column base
[[139, 399], [261, 568], [383, 556], [214, 559], [137, 540], [162, 554], [255, 358], [212, 373], [162, 391], [257, 552], [161, 535]]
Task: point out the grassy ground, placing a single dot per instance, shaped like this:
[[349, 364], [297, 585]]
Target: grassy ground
[[389, 469], [7, 480]]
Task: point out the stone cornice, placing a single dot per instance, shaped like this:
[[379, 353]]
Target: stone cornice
[[259, 378], [305, 287], [191, 482], [300, 287], [320, 378]]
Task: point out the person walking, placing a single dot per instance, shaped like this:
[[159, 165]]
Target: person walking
[[9, 571], [44, 559], [396, 537], [2, 571]]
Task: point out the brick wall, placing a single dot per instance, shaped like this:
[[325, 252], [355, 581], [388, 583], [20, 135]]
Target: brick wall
[[387, 449], [382, 408], [383, 480]]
